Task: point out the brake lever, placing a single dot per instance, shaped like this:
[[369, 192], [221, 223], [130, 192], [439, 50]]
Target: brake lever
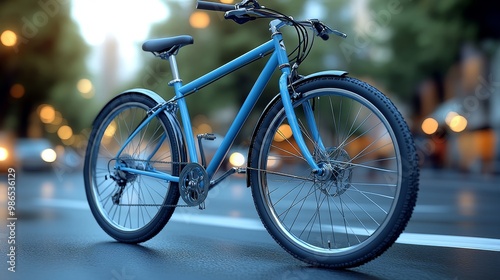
[[243, 15], [336, 32], [240, 16], [322, 30]]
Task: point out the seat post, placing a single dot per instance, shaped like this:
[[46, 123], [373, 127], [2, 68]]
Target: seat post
[[175, 70]]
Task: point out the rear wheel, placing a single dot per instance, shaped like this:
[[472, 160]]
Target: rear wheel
[[126, 205], [358, 207]]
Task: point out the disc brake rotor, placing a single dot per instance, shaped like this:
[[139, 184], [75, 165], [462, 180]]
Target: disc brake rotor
[[337, 176]]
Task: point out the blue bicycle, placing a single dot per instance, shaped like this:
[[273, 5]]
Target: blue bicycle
[[332, 165]]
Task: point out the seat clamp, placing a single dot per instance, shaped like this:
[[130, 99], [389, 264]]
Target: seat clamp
[[171, 83]]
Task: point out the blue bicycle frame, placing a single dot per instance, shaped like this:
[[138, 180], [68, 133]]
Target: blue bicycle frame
[[278, 59]]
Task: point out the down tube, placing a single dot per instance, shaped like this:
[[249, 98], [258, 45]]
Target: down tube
[[243, 114], [182, 90]]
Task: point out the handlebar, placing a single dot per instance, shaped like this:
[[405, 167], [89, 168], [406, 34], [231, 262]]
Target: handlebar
[[242, 13], [213, 6], [238, 8]]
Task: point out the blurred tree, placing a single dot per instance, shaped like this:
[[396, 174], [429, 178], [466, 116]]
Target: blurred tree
[[413, 40], [44, 64], [330, 55]]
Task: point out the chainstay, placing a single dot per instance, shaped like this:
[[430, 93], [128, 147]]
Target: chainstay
[[157, 205]]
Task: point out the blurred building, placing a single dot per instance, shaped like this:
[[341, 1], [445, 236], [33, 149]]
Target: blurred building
[[459, 113], [495, 107]]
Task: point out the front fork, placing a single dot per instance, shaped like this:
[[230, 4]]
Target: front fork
[[294, 125], [284, 65]]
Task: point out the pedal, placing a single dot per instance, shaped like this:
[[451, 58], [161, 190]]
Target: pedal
[[207, 136]]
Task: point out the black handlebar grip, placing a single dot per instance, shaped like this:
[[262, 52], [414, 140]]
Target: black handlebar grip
[[212, 6]]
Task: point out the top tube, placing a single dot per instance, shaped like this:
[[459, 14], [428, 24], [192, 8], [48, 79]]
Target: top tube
[[193, 86], [245, 59]]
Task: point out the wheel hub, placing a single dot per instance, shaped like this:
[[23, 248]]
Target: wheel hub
[[127, 161], [337, 174], [122, 178]]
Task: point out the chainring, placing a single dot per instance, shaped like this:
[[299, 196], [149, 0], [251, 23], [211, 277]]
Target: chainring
[[193, 184]]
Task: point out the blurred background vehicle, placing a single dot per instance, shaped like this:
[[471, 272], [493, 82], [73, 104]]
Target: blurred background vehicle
[[7, 158], [34, 154]]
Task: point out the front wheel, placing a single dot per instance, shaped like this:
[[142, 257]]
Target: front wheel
[[352, 213]]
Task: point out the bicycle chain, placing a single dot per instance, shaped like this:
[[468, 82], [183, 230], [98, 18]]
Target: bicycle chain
[[201, 205]]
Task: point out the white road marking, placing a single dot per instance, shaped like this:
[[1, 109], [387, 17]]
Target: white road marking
[[433, 209], [451, 241], [65, 203], [436, 240], [218, 221]]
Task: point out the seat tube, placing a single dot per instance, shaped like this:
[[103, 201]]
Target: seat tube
[[284, 65], [186, 121]]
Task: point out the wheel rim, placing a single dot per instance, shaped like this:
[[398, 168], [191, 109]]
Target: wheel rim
[[347, 208], [148, 192]]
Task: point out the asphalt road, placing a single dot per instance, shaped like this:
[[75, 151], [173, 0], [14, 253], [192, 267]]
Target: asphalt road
[[454, 234]]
